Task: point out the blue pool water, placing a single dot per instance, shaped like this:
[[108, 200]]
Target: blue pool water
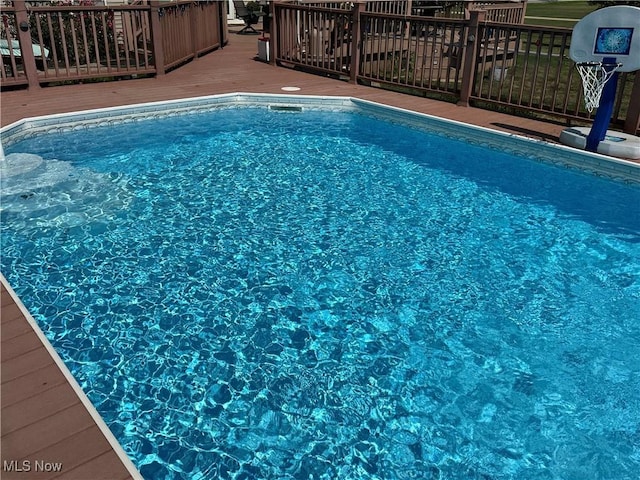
[[253, 294]]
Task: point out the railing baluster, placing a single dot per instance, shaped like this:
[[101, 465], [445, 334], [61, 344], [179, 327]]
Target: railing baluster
[[105, 40], [96, 44], [63, 38], [557, 79], [516, 48], [85, 44]]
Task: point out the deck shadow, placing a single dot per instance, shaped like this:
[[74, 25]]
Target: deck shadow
[[528, 132]]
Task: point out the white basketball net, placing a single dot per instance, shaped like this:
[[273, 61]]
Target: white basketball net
[[594, 76]]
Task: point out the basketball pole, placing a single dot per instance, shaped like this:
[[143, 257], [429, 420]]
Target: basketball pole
[[605, 109]]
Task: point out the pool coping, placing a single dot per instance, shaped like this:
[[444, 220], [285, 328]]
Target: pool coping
[[534, 149], [88, 405]]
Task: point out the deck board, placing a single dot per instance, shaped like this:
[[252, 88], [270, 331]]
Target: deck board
[[31, 384], [16, 346], [23, 443], [41, 418], [27, 363]]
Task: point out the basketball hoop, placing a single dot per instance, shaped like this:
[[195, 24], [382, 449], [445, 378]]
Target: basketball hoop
[[594, 76]]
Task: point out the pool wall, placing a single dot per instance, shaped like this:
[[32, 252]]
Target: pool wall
[[539, 150]]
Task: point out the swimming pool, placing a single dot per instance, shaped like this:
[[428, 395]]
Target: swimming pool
[[309, 291]]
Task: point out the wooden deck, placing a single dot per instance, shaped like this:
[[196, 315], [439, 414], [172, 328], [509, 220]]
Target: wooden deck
[[43, 418]]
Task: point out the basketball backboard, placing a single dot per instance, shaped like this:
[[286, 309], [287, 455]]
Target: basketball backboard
[[611, 32]]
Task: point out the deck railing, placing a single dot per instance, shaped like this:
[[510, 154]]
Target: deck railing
[[187, 29], [318, 36], [501, 12], [412, 51], [505, 64], [497, 11], [44, 42], [528, 68]]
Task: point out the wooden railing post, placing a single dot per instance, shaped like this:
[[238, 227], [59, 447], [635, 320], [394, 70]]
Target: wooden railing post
[[356, 40], [26, 49], [469, 45], [222, 22], [156, 36], [274, 32], [193, 29], [632, 122]]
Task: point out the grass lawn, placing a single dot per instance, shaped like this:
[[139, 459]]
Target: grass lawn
[[555, 10]]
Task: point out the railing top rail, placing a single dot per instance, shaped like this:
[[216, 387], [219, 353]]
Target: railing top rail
[[315, 5], [500, 6], [310, 2], [497, 3], [88, 8], [173, 3], [407, 17], [306, 8], [532, 28]]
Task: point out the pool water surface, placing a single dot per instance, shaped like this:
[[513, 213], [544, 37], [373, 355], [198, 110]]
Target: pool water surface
[[260, 294]]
